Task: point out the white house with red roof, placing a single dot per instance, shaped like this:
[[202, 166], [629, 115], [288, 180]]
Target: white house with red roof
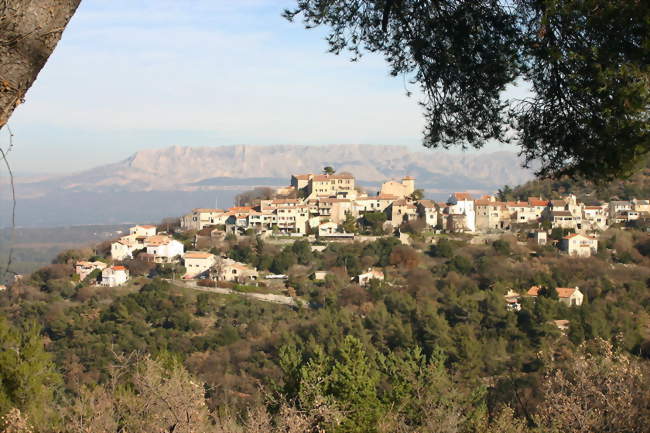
[[198, 263], [579, 245], [571, 296], [115, 276]]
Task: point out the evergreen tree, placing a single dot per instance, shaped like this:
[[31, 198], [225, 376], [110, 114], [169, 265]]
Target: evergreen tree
[[353, 383], [350, 224], [28, 377]]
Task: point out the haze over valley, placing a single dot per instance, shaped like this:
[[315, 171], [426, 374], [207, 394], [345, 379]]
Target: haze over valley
[[153, 184]]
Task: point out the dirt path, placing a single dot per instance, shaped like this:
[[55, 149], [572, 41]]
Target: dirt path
[[265, 297]]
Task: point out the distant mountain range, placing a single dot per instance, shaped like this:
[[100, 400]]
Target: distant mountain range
[[153, 184]]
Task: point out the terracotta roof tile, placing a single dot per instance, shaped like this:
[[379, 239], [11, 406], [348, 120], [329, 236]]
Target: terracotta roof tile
[[565, 292], [534, 291], [463, 196], [197, 255]]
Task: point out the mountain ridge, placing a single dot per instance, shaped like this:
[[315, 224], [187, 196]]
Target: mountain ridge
[[182, 167], [155, 183]]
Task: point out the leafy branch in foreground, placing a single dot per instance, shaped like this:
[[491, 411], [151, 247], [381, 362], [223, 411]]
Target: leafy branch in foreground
[[586, 62]]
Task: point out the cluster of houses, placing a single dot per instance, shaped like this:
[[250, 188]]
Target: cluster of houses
[[321, 203], [147, 245], [158, 248], [324, 204], [111, 276]]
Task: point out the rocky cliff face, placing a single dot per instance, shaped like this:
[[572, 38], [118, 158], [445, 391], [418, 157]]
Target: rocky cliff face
[[189, 168], [153, 184]]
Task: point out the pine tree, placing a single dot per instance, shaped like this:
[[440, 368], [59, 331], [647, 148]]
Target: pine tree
[[354, 385], [27, 374]]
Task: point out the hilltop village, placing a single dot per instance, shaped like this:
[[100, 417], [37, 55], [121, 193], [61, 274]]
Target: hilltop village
[[325, 208], [332, 206]]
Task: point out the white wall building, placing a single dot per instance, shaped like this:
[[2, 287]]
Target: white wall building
[[164, 249], [115, 276], [462, 203], [579, 245], [197, 263], [371, 274], [143, 230]]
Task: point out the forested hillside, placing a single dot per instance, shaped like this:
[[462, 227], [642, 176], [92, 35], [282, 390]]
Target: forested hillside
[[432, 348], [636, 186]]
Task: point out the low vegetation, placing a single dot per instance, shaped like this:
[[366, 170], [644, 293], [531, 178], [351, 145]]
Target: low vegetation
[[432, 347]]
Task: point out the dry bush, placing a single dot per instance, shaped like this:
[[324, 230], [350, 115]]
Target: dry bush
[[14, 422], [404, 257], [597, 390], [143, 395]]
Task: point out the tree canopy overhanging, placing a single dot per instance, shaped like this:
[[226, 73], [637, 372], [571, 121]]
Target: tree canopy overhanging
[[586, 62]]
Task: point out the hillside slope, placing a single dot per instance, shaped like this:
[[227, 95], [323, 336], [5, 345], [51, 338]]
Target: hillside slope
[[636, 186]]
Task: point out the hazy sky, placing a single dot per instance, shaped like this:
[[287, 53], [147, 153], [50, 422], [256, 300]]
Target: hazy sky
[[131, 75]]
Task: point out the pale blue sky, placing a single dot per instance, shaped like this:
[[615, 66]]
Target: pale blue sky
[[131, 75]]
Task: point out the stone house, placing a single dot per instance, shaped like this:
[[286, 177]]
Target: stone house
[[335, 209], [329, 185], [124, 247], [618, 206], [489, 215], [595, 217], [230, 270], [428, 211], [292, 219], [377, 203], [640, 205], [401, 189], [202, 217], [522, 212], [83, 269], [561, 219], [402, 210]]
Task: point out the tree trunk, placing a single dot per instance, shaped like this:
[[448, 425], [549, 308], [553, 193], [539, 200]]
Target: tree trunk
[[29, 32]]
